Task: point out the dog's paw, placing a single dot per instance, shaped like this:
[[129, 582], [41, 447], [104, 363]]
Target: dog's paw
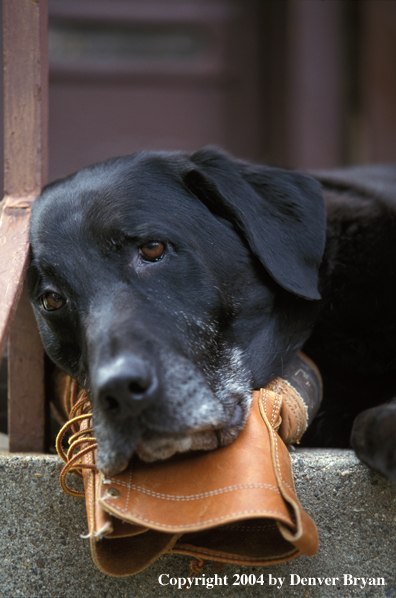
[[374, 439]]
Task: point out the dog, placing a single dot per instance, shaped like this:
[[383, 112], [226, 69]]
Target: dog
[[170, 285]]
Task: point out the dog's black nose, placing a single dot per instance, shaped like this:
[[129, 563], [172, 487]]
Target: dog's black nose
[[126, 387]]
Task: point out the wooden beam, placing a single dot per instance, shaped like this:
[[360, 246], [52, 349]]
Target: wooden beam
[[25, 173], [315, 84]]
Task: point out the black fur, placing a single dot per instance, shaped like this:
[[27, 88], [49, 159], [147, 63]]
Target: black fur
[[169, 350]]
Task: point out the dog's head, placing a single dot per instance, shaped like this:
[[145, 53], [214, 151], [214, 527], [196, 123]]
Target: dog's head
[[170, 285]]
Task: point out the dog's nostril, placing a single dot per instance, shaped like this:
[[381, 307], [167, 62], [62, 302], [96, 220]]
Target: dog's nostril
[[138, 388], [112, 405]]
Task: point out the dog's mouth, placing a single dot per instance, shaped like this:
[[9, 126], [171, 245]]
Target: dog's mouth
[[154, 446]]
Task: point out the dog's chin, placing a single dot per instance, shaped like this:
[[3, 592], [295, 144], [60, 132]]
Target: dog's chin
[[113, 467]]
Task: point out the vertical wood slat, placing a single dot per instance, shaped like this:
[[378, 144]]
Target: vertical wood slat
[[376, 126], [25, 173], [25, 96], [315, 84]]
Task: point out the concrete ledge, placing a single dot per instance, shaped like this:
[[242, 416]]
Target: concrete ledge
[[43, 555]]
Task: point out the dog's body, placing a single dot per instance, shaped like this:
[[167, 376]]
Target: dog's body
[[170, 285]]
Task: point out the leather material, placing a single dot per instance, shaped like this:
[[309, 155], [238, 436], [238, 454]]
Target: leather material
[[236, 504], [304, 378]]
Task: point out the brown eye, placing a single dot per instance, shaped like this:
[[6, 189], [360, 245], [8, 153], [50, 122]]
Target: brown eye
[[152, 251], [52, 301]]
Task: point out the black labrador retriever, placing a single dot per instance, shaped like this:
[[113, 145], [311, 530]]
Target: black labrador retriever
[[170, 285]]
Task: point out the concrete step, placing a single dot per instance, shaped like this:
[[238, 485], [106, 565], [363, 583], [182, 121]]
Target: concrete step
[[3, 442], [42, 553]]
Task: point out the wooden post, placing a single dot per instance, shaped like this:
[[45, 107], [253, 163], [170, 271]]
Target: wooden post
[[25, 173]]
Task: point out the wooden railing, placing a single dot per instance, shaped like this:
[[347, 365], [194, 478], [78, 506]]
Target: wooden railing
[[25, 173]]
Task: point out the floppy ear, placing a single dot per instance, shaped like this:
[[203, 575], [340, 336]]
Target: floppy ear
[[280, 213]]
